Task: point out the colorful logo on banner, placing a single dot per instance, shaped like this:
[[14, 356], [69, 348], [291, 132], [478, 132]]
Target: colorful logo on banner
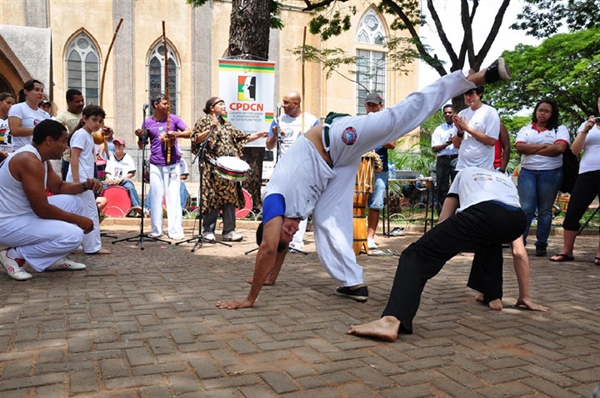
[[246, 88]]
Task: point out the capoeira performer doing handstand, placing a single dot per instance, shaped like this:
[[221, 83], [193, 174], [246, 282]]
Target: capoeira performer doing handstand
[[318, 173], [41, 230]]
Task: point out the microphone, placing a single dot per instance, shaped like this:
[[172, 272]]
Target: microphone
[[278, 109], [145, 106]]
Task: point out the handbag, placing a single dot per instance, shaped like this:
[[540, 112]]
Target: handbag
[[570, 171]]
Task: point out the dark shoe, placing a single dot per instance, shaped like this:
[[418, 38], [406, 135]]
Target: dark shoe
[[540, 251], [497, 71], [561, 258], [360, 294]]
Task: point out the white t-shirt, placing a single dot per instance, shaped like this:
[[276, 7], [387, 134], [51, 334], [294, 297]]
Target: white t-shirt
[[120, 168], [590, 161], [300, 177], [292, 128], [529, 135], [441, 135], [473, 153], [29, 119], [5, 139], [475, 185], [83, 140]]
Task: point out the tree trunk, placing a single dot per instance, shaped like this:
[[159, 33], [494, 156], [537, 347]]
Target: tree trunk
[[249, 39]]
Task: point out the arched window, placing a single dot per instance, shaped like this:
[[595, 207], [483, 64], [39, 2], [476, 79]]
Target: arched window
[[371, 64], [83, 68], [156, 74]]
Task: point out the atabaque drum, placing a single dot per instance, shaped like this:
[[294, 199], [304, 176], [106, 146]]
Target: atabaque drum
[[119, 203], [230, 168], [362, 189]]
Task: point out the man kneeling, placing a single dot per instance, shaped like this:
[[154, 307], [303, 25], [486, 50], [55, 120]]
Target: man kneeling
[[38, 229], [488, 214]]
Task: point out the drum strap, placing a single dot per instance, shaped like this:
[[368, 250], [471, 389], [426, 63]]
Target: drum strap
[[326, 125]]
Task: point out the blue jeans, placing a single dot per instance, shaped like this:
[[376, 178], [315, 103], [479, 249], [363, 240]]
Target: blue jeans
[[377, 197], [537, 190]]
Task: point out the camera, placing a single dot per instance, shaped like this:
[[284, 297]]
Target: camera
[[597, 119]]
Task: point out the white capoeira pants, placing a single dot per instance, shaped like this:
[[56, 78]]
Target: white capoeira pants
[[332, 217], [166, 179], [92, 242], [43, 242]]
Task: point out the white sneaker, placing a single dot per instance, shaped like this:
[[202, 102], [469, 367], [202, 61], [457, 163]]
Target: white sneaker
[[65, 264], [371, 244], [209, 236], [233, 237], [14, 266], [296, 245]]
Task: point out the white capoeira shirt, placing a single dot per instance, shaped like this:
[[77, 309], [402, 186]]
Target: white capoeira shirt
[[292, 128], [590, 161], [530, 135], [120, 168], [476, 185], [302, 175]]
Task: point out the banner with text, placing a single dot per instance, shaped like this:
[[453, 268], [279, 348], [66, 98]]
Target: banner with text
[[248, 89]]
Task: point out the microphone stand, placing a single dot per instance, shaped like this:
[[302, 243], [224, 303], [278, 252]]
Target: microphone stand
[[141, 237], [200, 237]]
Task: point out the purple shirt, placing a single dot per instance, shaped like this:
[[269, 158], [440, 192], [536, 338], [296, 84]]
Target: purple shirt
[[158, 151]]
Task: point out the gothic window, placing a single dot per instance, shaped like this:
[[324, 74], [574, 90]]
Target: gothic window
[[83, 68], [156, 74], [371, 62]]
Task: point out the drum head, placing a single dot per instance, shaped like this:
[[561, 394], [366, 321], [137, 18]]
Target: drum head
[[119, 202]]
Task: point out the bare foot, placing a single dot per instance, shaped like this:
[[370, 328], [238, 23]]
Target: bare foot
[[385, 329], [101, 251], [267, 282], [495, 305], [76, 251], [232, 305], [530, 305]]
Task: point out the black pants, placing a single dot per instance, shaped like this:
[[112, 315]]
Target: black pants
[[481, 228], [444, 172], [209, 220], [587, 187]]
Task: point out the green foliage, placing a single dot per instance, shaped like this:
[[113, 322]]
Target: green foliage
[[544, 18], [333, 26], [564, 68]]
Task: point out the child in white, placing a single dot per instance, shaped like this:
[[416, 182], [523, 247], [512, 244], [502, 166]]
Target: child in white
[[82, 167]]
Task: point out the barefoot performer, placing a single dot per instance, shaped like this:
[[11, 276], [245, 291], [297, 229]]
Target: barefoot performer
[[318, 173], [488, 214]]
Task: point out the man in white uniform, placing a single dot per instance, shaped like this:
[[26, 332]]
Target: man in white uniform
[[318, 173], [38, 229], [478, 129], [292, 124]]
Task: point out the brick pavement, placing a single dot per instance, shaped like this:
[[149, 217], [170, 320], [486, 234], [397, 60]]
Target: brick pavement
[[144, 324]]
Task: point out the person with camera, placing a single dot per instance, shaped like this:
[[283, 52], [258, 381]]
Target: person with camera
[[587, 185]]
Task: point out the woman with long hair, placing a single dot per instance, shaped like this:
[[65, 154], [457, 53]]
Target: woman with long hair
[[541, 145]]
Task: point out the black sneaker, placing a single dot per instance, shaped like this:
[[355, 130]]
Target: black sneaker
[[540, 251], [497, 71], [360, 294]]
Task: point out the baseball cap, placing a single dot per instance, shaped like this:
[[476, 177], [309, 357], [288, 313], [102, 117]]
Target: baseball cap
[[44, 101], [373, 98], [120, 141]]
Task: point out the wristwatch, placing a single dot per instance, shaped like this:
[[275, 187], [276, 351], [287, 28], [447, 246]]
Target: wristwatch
[[85, 188]]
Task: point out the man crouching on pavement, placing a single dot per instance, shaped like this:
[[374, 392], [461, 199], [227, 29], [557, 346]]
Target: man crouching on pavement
[[38, 229]]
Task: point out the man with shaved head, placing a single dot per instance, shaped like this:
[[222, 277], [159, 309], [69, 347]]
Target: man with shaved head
[[292, 124]]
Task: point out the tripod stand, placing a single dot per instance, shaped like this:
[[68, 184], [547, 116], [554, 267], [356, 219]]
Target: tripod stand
[[141, 237], [200, 238]]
